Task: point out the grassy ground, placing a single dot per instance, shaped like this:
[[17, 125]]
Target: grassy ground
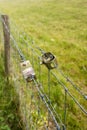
[[9, 107], [59, 26]]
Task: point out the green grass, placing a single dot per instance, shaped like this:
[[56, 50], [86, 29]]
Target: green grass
[[59, 26], [9, 107]]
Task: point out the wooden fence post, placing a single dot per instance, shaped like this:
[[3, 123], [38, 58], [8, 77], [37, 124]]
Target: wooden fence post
[[6, 31]]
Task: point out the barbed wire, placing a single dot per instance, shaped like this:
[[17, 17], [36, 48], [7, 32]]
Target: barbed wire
[[14, 41], [61, 72], [72, 83], [58, 69], [31, 124], [39, 87], [67, 78], [66, 89], [49, 101], [22, 56], [45, 102]]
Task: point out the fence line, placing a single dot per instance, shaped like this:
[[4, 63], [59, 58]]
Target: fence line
[[58, 69], [46, 99]]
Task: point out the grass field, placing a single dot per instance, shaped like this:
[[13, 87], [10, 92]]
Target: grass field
[[59, 26]]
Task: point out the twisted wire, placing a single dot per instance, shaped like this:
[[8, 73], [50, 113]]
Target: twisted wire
[[48, 100], [67, 78], [45, 102], [27, 41], [66, 89], [43, 95], [14, 41], [52, 115]]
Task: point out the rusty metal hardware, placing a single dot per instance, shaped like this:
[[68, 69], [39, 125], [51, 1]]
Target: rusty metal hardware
[[49, 60]]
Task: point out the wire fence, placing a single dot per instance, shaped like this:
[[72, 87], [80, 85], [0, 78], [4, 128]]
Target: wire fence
[[45, 93]]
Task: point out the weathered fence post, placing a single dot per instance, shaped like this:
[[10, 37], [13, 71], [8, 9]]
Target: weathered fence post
[[6, 31]]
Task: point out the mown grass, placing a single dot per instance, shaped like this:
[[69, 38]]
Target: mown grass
[[58, 26]]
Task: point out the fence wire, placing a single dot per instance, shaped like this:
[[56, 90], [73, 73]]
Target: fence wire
[[39, 110]]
